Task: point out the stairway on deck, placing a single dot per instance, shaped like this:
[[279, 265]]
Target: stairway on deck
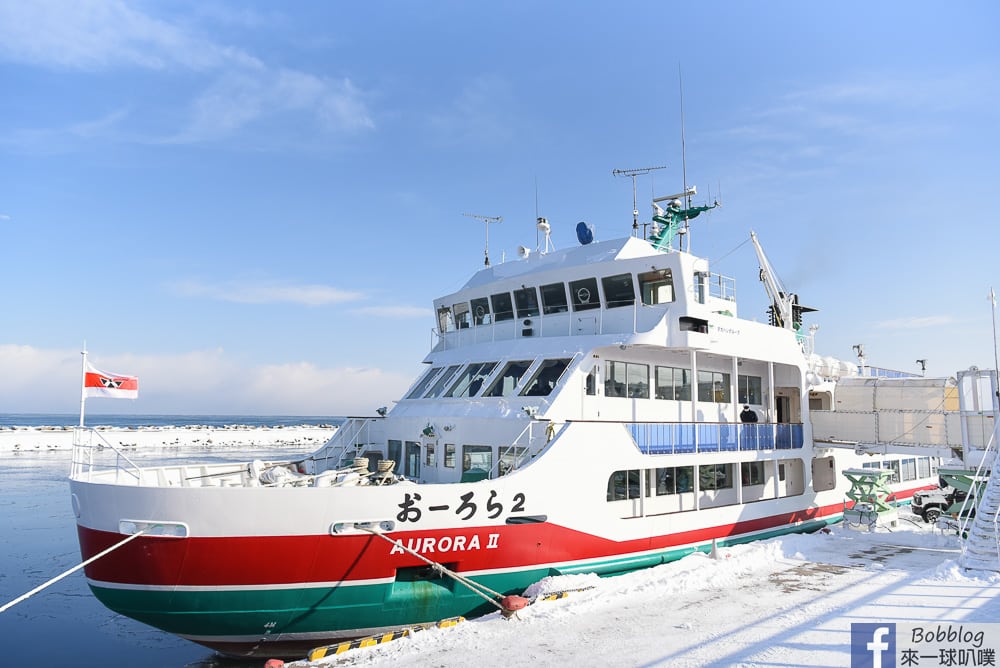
[[982, 547]]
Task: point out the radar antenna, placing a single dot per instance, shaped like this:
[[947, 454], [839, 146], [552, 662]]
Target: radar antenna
[[487, 220], [634, 173]]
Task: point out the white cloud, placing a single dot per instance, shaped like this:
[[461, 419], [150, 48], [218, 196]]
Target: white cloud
[[198, 382], [267, 293], [481, 110], [97, 35]]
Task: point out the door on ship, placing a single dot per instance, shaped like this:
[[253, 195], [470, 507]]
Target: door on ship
[[783, 407]]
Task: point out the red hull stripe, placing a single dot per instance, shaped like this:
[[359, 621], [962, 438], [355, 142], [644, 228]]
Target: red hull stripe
[[277, 560]]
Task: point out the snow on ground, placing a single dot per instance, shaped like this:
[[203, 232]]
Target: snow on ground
[[187, 438], [787, 601]]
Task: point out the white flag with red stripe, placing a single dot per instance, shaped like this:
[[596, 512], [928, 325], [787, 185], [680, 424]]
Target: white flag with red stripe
[[100, 384]]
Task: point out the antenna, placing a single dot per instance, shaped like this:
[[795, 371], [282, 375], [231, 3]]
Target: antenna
[[684, 169], [634, 173], [487, 220]]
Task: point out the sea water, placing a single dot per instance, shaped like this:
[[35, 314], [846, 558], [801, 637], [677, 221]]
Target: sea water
[[65, 625]]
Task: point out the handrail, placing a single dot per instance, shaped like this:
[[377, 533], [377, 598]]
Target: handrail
[[528, 453], [83, 462]]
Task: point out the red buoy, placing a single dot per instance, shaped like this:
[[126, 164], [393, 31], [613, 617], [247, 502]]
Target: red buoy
[[512, 604]]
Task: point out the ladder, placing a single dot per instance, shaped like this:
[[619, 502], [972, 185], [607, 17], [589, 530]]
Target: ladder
[[981, 548]]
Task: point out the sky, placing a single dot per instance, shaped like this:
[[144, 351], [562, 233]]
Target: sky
[[251, 206]]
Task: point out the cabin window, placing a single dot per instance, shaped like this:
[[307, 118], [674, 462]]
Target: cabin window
[[461, 314], [749, 390], [591, 387], [715, 476], [477, 458], [624, 485], [670, 480], [546, 378], [503, 308], [429, 455], [657, 287], [909, 469], [584, 294], [446, 323], [618, 290], [687, 323], [894, 467], [421, 387], [449, 455], [470, 380], [411, 466], [396, 453], [626, 379], [752, 473], [554, 298], [673, 383], [507, 381], [526, 300], [481, 311], [713, 386], [923, 468], [442, 382]]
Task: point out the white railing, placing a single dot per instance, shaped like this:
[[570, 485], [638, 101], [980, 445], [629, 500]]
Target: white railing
[[84, 450], [525, 447]]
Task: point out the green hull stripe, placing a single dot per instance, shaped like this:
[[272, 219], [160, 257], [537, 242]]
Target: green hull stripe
[[212, 613]]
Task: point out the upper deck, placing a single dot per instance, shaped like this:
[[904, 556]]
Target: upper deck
[[615, 288]]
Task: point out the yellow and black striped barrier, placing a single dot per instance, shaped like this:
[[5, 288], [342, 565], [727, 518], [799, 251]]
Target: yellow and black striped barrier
[[379, 639]]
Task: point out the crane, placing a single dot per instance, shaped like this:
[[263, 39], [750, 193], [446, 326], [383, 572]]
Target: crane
[[785, 309]]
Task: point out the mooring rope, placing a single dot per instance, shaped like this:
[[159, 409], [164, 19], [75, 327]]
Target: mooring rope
[[480, 589], [59, 577]]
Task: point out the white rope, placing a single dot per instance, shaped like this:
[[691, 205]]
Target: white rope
[[70, 571], [480, 589]]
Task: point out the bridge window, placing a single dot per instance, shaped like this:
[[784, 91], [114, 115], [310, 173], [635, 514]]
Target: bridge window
[[673, 383], [461, 311], [470, 380], [481, 311], [442, 382], [508, 379], [554, 299], [527, 302], [749, 390], [446, 323], [503, 308], [421, 387], [584, 294], [618, 290], [657, 287], [546, 378]]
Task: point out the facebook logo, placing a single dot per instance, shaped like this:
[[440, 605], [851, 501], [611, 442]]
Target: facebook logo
[[873, 645]]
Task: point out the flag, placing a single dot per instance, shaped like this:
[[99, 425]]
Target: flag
[[99, 384]]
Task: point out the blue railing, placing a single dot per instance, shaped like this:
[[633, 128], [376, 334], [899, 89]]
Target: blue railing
[[672, 438]]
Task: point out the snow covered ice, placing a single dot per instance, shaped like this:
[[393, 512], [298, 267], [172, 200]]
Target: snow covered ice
[[787, 601]]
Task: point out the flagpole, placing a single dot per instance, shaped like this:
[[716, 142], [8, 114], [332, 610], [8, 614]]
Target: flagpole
[[83, 382]]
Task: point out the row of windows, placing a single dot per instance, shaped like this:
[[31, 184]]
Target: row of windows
[[669, 480], [462, 381], [411, 455], [656, 287], [904, 470], [631, 380]]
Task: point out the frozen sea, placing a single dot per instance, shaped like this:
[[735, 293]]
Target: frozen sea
[[65, 625]]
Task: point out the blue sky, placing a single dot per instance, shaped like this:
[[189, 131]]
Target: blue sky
[[252, 205]]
